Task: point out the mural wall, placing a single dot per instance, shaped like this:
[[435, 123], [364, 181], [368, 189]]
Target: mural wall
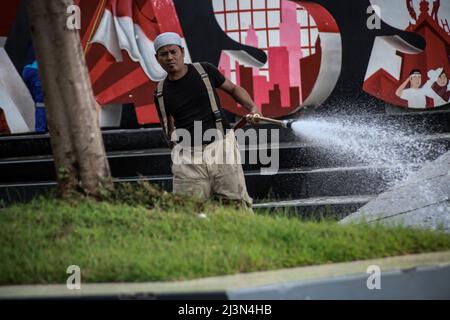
[[341, 56]]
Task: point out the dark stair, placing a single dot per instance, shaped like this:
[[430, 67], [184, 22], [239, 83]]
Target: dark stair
[[311, 182]]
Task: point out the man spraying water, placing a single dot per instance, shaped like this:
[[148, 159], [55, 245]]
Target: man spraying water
[[187, 100]]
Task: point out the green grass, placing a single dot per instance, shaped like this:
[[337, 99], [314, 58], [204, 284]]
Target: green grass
[[112, 242]]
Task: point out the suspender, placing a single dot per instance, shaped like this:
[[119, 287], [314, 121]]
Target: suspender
[[212, 101], [162, 109]]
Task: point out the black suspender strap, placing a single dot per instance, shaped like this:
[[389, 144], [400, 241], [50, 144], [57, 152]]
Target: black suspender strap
[[212, 99], [162, 109]]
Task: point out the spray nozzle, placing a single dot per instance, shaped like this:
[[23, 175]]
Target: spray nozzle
[[288, 123], [257, 118]]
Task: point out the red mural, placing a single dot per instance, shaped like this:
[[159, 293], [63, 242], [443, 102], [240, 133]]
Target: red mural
[[281, 87], [120, 76], [435, 58], [116, 36], [301, 39], [8, 16]]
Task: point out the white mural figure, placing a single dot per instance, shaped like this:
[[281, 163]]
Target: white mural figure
[[440, 86], [389, 76], [437, 88], [415, 95]]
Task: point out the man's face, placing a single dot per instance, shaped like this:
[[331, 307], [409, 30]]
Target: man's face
[[171, 58], [416, 81], [442, 80]]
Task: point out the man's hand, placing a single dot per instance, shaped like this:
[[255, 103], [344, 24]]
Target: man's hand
[[253, 117], [255, 111]]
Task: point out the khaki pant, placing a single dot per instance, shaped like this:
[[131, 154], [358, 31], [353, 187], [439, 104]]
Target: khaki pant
[[214, 170]]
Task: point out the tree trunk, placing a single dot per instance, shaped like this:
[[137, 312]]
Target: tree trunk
[[71, 108]]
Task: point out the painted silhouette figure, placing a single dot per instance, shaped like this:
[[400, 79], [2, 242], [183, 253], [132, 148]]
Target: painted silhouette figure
[[411, 10], [442, 88], [434, 12]]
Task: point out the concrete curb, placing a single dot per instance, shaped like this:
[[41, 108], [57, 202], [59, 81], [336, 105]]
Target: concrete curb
[[233, 286]]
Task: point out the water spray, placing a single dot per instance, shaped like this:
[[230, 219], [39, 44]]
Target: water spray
[[379, 144], [392, 146]]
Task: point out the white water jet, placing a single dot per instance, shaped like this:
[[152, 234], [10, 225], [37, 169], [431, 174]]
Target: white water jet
[[378, 145]]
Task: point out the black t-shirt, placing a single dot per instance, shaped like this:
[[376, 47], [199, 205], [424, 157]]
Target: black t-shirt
[[186, 99]]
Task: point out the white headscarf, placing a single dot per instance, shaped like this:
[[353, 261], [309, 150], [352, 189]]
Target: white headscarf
[[165, 39]]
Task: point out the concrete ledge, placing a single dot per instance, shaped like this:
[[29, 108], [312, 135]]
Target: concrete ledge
[[422, 200]]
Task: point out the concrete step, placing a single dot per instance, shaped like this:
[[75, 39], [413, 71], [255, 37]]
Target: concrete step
[[309, 173], [149, 162], [423, 122], [287, 184], [304, 183], [316, 208]]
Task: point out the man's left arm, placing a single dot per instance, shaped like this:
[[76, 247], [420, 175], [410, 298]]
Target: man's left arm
[[240, 95]]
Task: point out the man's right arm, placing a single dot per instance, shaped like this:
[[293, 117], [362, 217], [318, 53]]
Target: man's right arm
[[240, 95]]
